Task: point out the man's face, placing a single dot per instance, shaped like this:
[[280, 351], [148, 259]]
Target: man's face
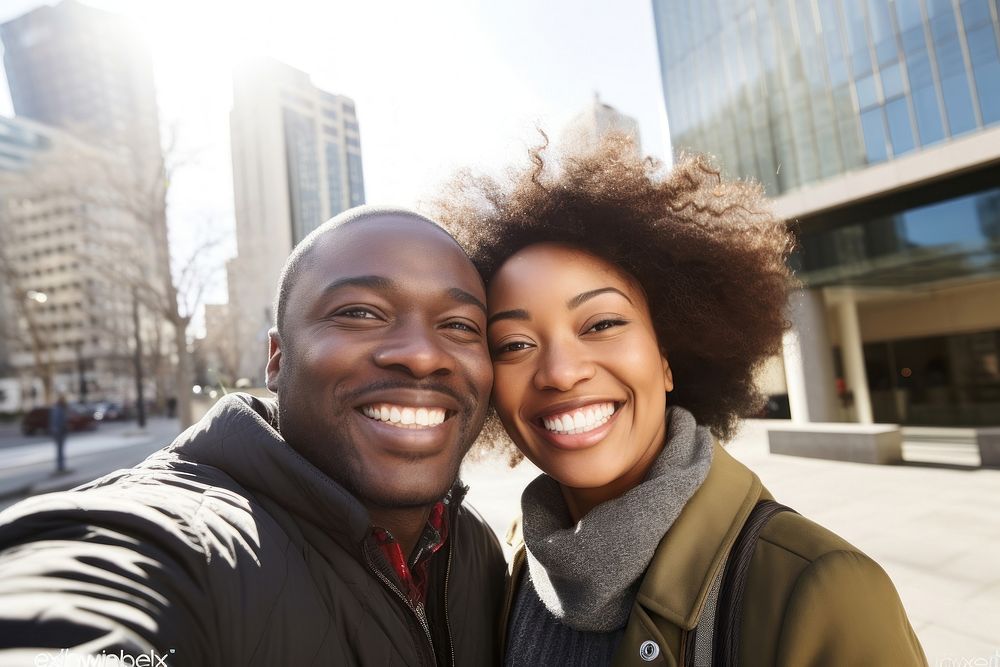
[[381, 369]]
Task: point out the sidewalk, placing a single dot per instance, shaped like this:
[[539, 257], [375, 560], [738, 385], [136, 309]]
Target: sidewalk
[[934, 528], [29, 469]]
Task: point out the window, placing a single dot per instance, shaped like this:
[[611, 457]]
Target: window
[[900, 129], [874, 131], [986, 70]]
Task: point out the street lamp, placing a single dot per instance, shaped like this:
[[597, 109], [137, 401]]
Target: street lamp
[[36, 296], [40, 351]]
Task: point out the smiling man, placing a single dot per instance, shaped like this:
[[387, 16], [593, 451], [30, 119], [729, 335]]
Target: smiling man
[[325, 528]]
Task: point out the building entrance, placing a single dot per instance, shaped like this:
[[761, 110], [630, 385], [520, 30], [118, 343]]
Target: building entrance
[[936, 381]]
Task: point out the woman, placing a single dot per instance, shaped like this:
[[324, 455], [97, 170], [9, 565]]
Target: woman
[[629, 310]]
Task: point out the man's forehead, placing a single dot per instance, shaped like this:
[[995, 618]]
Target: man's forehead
[[390, 244]]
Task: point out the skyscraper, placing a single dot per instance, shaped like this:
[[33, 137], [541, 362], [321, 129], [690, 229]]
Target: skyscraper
[[83, 70], [598, 119], [296, 163], [875, 125]]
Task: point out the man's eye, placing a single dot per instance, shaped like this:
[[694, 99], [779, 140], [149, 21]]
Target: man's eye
[[606, 324], [462, 326], [356, 313]]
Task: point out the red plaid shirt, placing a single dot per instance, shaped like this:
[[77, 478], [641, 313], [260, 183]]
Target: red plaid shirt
[[413, 574]]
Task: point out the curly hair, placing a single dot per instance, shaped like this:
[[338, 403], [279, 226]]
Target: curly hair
[[709, 254]]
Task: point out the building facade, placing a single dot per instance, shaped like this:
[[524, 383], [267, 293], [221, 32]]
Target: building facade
[[83, 70], [68, 326], [875, 127], [296, 163]]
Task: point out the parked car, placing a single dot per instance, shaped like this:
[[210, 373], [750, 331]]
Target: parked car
[[37, 421], [110, 412]]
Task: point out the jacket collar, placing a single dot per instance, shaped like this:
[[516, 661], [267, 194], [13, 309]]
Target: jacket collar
[[239, 437], [678, 579]]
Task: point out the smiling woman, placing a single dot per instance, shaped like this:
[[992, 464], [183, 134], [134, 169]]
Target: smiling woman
[[628, 310]]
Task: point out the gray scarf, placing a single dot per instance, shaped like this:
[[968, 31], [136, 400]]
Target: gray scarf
[[587, 574]]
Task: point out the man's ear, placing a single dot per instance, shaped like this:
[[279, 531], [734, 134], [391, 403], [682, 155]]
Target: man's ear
[[273, 359], [668, 376]]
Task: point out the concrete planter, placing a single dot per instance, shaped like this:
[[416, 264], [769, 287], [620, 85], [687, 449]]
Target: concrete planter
[[859, 443]]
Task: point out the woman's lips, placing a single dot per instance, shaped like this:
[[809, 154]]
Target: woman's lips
[[596, 423]]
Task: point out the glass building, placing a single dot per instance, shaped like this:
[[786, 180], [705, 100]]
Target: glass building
[[875, 127]]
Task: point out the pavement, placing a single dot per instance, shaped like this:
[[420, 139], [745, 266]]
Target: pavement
[[933, 525], [29, 468]]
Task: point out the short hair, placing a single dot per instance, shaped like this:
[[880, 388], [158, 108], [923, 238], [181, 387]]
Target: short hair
[[709, 254], [300, 253]]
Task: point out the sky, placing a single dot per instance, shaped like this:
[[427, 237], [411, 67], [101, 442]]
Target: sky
[[438, 85]]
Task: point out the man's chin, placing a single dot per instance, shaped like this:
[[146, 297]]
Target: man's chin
[[404, 499]]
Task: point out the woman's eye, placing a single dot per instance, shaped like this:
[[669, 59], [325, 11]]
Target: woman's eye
[[606, 324], [515, 346]]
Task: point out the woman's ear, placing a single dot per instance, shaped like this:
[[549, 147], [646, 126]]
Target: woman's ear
[[668, 376]]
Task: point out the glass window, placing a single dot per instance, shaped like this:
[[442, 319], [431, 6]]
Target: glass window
[[866, 92], [955, 86], [830, 26], [900, 129], [925, 105], [908, 14], [892, 81], [958, 104], [882, 33], [874, 131], [986, 70], [854, 13], [975, 12]]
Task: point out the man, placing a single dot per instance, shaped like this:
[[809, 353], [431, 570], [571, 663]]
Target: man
[[324, 530]]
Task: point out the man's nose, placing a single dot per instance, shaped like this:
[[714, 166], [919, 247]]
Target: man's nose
[[562, 367], [415, 348]]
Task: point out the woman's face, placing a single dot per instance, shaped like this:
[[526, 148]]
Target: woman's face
[[580, 382]]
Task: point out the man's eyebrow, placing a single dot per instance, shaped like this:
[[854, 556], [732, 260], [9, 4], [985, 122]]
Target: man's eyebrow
[[577, 300], [371, 282], [461, 295], [517, 314]]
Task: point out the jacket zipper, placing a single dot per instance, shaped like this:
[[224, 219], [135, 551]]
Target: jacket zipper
[[447, 621], [421, 618]]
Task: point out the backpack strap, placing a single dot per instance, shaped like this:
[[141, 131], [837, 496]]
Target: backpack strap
[[726, 637]]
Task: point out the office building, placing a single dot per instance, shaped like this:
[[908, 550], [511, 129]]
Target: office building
[[875, 126], [296, 163], [67, 321]]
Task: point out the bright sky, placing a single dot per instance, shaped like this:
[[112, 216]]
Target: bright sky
[[438, 85]]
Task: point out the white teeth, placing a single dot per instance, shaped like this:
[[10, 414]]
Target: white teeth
[[580, 420], [405, 417]]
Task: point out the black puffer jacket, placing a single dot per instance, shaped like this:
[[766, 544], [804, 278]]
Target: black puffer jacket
[[228, 548]]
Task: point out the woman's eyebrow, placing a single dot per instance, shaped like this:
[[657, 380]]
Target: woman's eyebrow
[[517, 314], [577, 300]]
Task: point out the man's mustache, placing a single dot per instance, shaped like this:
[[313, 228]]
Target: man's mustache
[[467, 401]]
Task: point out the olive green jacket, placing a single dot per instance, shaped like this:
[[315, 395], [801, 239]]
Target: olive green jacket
[[810, 599]]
